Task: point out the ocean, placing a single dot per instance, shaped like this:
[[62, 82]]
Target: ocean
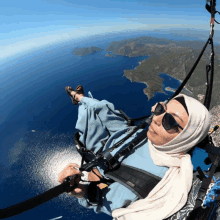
[[38, 120]]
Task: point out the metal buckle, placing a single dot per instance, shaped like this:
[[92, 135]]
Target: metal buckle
[[211, 33], [130, 130]]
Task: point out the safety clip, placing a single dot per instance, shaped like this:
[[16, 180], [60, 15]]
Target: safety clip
[[211, 33]]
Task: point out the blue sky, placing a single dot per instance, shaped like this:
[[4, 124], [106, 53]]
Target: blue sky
[[29, 24]]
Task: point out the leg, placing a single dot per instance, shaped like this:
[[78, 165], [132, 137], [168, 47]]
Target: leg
[[97, 121]]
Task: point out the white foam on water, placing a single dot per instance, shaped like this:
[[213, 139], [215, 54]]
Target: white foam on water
[[56, 218], [44, 157]]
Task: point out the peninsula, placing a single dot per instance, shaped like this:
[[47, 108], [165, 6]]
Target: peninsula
[[173, 58]]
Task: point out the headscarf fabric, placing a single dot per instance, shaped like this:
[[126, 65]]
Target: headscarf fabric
[[171, 193]]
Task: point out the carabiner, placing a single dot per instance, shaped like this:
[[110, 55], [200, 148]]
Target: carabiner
[[211, 33]]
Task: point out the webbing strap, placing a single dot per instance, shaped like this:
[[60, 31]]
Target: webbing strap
[[198, 212], [209, 82], [139, 181], [112, 161], [208, 8]]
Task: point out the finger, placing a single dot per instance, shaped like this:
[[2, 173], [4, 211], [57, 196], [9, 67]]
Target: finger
[[78, 190], [75, 168], [72, 171], [68, 171], [152, 109], [74, 181], [64, 176], [73, 165]]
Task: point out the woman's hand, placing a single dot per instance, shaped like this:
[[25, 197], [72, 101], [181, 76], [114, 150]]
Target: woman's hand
[[69, 170], [92, 177]]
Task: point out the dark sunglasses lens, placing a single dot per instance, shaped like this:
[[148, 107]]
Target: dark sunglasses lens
[[159, 109], [168, 121]]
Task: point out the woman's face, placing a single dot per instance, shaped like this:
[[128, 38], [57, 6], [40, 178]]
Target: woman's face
[[157, 134]]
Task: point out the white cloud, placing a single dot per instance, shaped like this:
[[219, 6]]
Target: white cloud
[[102, 28], [25, 45]]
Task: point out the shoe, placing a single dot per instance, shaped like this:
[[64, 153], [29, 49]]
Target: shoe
[[79, 90]]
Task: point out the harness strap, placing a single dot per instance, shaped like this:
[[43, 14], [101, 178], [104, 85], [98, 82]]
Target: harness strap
[[208, 8], [198, 212], [139, 181], [131, 122], [201, 174], [202, 191], [113, 162]]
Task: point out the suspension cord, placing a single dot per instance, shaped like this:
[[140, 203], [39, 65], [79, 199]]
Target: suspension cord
[[209, 67]]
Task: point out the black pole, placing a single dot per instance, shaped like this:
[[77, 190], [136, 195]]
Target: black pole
[[34, 202]]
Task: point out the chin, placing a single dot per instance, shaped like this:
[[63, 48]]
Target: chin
[[149, 136]]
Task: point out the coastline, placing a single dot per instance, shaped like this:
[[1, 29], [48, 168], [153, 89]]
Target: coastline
[[151, 87]]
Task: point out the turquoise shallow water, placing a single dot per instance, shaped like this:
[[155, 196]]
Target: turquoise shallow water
[[37, 118]]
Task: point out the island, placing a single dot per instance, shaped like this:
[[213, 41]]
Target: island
[[85, 50], [109, 55], [174, 58], [169, 89]]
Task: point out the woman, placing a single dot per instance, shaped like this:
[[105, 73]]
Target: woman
[[163, 153]]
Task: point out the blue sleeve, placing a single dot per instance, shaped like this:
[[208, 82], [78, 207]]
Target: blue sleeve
[[97, 121], [110, 118]]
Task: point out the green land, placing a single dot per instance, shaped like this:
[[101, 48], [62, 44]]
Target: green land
[[85, 50], [173, 58]]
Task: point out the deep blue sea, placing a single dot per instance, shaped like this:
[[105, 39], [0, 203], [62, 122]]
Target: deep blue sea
[[38, 119]]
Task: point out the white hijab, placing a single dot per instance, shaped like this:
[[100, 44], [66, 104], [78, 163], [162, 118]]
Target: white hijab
[[171, 193]]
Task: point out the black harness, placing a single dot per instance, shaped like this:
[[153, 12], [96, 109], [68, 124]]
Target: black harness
[[137, 180]]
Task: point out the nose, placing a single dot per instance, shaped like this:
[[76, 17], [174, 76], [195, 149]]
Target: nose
[[157, 119]]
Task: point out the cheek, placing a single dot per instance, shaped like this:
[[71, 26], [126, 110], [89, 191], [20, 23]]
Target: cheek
[[169, 137], [152, 136], [162, 138]]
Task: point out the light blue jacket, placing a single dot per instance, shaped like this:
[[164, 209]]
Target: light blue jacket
[[97, 121]]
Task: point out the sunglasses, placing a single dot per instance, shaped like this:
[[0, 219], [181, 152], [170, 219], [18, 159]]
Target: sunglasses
[[168, 120]]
